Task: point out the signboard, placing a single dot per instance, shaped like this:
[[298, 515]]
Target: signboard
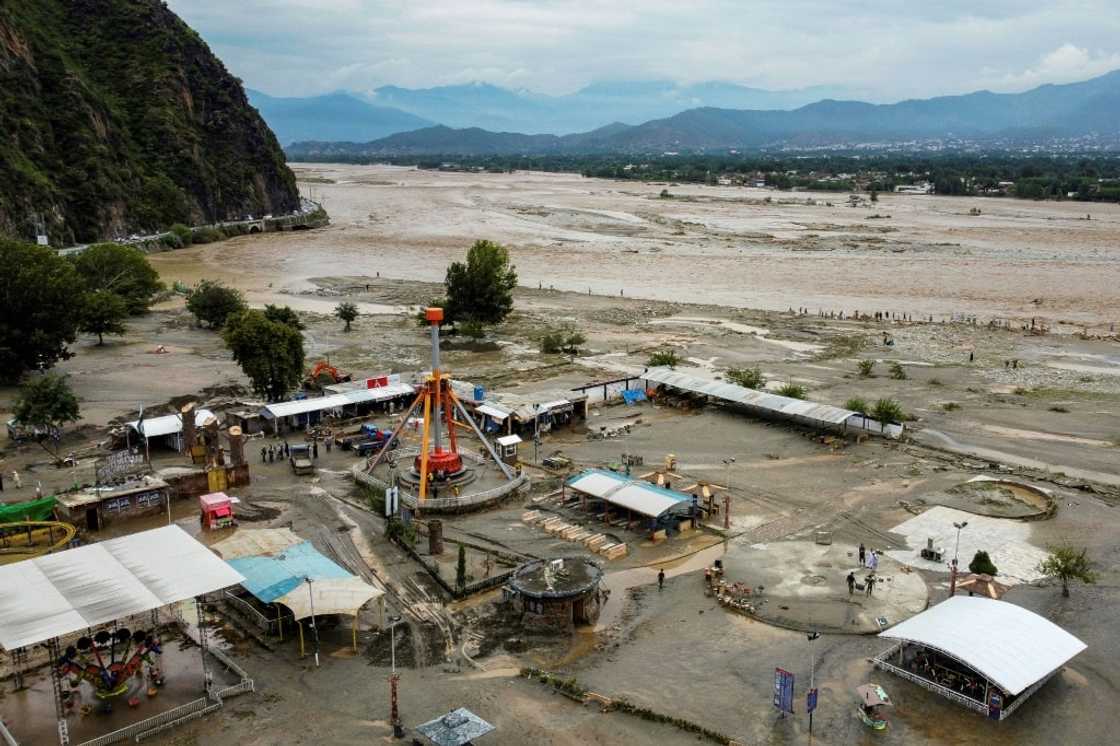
[[811, 701], [377, 383], [116, 464], [995, 705], [392, 497], [783, 690]]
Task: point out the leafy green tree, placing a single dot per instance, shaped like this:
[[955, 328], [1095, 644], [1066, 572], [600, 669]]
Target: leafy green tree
[[39, 308], [46, 403], [482, 288], [103, 312], [212, 303], [269, 352], [751, 378], [663, 358], [887, 411], [552, 342], [858, 405], [120, 269], [572, 341], [982, 564], [461, 569], [793, 390], [1067, 563], [283, 315], [186, 237], [346, 311]]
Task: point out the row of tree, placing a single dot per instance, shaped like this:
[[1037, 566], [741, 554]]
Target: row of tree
[[48, 299]]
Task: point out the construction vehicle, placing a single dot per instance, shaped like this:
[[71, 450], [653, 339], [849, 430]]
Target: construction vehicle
[[300, 459], [324, 374]]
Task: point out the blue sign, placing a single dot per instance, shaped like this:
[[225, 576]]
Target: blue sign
[[811, 700], [783, 690]]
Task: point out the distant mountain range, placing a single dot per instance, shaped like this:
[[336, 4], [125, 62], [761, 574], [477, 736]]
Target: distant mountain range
[[1047, 112], [335, 116]]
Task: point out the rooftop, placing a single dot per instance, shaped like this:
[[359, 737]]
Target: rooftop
[[555, 578]]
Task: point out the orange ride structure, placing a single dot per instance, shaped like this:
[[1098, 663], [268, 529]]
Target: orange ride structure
[[439, 472]]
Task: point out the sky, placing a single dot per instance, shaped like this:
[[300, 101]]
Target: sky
[[884, 50]]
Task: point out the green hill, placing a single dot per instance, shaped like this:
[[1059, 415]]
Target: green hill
[[117, 118]]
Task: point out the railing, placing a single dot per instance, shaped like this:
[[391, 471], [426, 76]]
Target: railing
[[240, 688], [178, 721], [445, 503], [247, 608], [173, 716], [880, 662]]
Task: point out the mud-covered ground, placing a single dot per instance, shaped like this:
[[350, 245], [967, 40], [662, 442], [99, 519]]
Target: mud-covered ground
[[981, 400]]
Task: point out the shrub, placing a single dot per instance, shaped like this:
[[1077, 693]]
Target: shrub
[[866, 367], [888, 411], [1060, 409], [471, 329], [793, 390], [898, 372], [212, 303], [935, 382], [207, 234], [950, 406], [552, 343], [750, 378], [856, 404], [171, 241], [982, 564], [1067, 563], [186, 237], [664, 358]]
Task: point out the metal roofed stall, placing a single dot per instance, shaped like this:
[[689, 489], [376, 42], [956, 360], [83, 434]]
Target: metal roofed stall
[[1013, 648], [57, 594], [808, 412], [634, 495], [168, 424]]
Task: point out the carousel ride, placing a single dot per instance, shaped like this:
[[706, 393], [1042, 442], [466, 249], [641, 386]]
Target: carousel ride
[[114, 663], [439, 475]]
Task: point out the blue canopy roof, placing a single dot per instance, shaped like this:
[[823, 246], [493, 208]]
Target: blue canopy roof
[[270, 577]]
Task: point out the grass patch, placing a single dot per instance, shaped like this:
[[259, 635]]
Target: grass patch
[[950, 406]]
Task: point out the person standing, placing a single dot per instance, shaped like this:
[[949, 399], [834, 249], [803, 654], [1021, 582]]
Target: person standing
[[328, 444], [870, 584], [660, 578], [315, 449], [862, 554], [17, 480], [264, 454], [873, 560], [851, 583]]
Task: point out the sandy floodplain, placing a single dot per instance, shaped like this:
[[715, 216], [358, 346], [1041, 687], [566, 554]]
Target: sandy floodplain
[[748, 248]]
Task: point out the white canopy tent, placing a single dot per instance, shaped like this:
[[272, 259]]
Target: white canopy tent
[[630, 494], [344, 596], [57, 594]]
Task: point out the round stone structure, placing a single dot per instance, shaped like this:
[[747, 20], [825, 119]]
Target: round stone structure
[[558, 593]]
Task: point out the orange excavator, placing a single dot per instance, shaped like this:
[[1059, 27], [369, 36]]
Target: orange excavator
[[324, 374]]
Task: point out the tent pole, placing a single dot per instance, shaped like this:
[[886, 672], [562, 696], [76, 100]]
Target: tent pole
[[354, 633], [280, 624], [300, 623]]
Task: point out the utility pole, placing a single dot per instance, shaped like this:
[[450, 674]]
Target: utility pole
[[812, 698], [727, 493], [314, 626], [394, 711]]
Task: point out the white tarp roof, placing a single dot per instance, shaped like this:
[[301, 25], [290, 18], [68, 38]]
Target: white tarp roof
[[154, 427], [335, 401], [254, 542], [332, 596], [508, 440], [1011, 646], [381, 393], [636, 495], [57, 594], [492, 410]]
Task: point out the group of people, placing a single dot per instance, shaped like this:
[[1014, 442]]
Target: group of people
[[282, 451], [928, 668], [868, 558], [18, 481]]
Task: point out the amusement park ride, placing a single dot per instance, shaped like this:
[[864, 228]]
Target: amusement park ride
[[439, 462], [108, 661]]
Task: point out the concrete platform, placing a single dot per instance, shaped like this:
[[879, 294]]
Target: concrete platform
[[805, 587]]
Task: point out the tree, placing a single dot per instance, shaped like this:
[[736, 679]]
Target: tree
[[1067, 563], [120, 269], [45, 404], [482, 288], [564, 339], [751, 378], [347, 312], [858, 405], [461, 569], [887, 411], [572, 340], [212, 303], [982, 564], [283, 315], [269, 352], [103, 312], [39, 308], [663, 358]]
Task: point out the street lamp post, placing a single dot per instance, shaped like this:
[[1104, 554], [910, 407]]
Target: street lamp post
[[727, 493], [394, 711], [812, 637], [314, 626], [956, 552]]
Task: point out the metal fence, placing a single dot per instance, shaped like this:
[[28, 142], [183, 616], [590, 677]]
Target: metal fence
[[174, 716], [178, 721], [8, 738], [880, 662], [262, 621], [446, 504]]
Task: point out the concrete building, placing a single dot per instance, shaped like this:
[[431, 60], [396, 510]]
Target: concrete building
[[557, 593], [96, 508]]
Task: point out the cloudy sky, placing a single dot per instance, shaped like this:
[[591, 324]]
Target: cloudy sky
[[882, 49]]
